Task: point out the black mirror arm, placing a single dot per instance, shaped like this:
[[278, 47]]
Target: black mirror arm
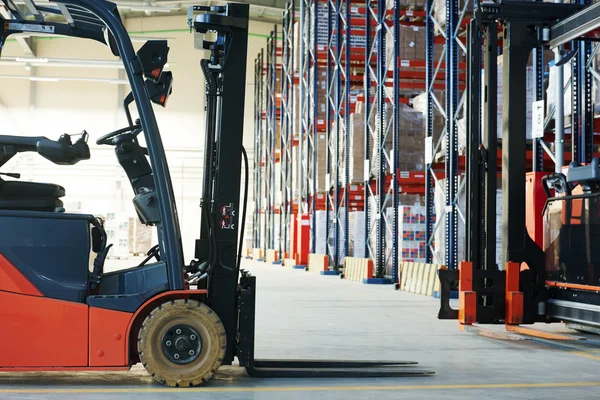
[[128, 100]]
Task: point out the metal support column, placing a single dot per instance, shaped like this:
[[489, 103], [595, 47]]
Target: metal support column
[[335, 96], [395, 141], [429, 148], [287, 125], [452, 97], [370, 54], [272, 115]]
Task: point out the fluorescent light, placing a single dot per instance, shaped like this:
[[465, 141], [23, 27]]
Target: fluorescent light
[[33, 60], [42, 79], [149, 9]]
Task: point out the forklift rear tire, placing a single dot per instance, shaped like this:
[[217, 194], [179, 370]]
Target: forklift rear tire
[[182, 343]]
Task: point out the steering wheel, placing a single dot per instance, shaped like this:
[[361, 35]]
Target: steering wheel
[[110, 138], [154, 252]]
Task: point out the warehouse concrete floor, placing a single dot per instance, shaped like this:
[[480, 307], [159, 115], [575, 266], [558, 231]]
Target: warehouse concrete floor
[[304, 315]]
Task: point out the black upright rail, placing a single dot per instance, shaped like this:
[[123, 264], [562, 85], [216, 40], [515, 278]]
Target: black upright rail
[[538, 82], [582, 105]]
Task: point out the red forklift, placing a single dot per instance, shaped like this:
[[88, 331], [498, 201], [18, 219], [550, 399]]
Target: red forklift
[[181, 321]]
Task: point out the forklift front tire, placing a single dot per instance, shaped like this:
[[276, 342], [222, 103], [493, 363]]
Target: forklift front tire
[[182, 343]]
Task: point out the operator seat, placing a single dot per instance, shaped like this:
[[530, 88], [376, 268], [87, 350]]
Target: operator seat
[[30, 196]]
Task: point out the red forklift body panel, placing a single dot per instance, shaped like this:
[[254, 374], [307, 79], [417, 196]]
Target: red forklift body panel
[[42, 332], [108, 333]]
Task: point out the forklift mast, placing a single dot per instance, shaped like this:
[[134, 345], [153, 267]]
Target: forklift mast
[[223, 32], [232, 291]]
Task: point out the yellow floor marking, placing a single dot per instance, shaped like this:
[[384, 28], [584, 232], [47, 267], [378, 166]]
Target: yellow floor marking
[[309, 388], [586, 354]]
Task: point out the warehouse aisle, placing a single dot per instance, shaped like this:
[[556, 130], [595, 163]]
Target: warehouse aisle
[[304, 315]]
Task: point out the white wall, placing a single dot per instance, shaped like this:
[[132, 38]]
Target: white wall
[[53, 108]]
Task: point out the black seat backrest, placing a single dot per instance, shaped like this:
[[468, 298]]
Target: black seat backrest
[[30, 196]]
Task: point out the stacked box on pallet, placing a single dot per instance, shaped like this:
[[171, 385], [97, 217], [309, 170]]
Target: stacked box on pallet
[[413, 42], [357, 37], [411, 244], [357, 148], [341, 238], [411, 142], [409, 38], [140, 236], [419, 103], [276, 233], [387, 143], [551, 91], [321, 30], [407, 4], [321, 160], [320, 95], [357, 154], [440, 234], [117, 234], [356, 234], [320, 232]]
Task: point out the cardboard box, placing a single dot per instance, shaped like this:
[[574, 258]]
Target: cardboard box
[[320, 231], [140, 236], [410, 241], [356, 234], [412, 45], [406, 4], [357, 148], [551, 96], [321, 94], [412, 142], [321, 149], [419, 103]]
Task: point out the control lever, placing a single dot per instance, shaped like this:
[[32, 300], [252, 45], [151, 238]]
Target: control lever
[[11, 174]]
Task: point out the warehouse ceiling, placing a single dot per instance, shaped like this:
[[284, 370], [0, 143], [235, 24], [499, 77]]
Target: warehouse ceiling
[[260, 10]]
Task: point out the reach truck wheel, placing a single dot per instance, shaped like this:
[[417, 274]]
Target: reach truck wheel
[[182, 343]]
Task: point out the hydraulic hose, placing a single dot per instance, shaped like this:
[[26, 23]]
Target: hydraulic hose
[[244, 206]]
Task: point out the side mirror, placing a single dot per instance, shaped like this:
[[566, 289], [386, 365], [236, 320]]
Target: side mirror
[[64, 151], [153, 57], [160, 91]]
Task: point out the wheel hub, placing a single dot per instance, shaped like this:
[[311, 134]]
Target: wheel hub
[[181, 344]]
